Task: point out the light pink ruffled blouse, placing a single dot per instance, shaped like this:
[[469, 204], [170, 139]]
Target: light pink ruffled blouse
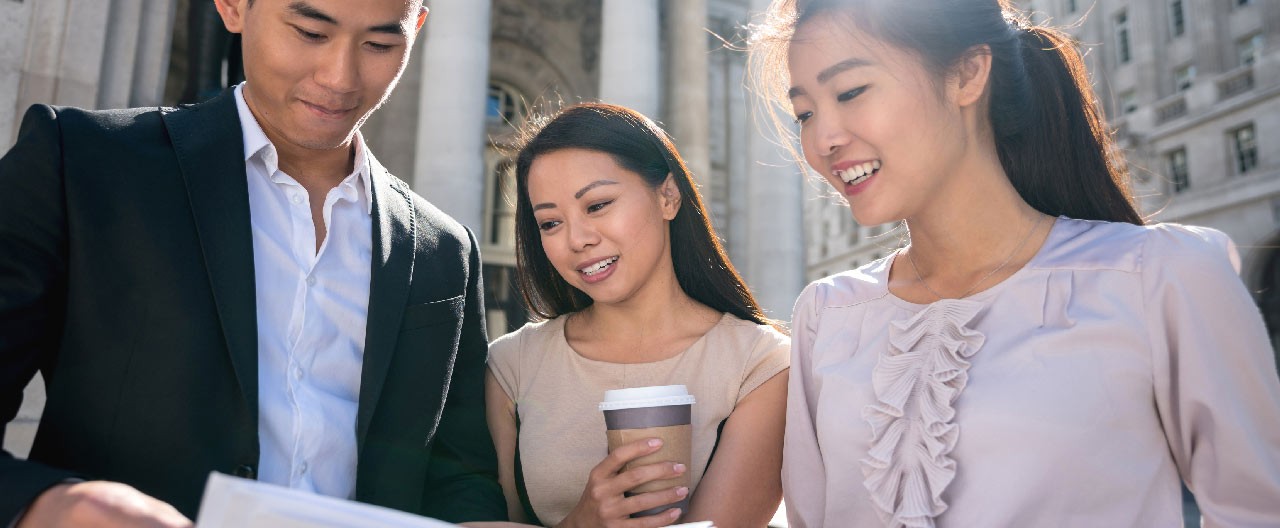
[[1075, 393]]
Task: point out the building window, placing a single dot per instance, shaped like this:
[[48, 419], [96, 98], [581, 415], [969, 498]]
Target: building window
[[1249, 50], [1128, 102], [502, 209], [1071, 6], [1183, 77], [1244, 144], [1242, 2], [1179, 176], [1177, 20], [504, 105], [1122, 37]]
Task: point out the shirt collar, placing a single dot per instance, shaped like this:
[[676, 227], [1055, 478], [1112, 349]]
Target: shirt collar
[[256, 144]]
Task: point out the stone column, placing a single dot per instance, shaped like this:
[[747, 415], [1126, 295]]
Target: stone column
[[629, 46], [120, 53], [449, 165], [79, 65], [135, 58], [14, 20], [45, 33], [151, 68], [775, 221], [738, 159], [687, 86]]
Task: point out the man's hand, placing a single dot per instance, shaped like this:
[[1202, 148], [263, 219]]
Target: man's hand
[[99, 503]]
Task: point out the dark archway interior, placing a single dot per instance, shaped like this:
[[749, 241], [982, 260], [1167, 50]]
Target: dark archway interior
[[1269, 296]]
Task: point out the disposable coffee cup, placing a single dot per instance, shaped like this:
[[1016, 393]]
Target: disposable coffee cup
[[663, 412]]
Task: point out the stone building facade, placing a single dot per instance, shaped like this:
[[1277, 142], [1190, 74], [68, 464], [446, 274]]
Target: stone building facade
[[480, 68]]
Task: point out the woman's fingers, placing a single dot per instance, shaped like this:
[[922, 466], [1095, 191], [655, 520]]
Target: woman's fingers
[[653, 521], [655, 499], [638, 475], [624, 453]]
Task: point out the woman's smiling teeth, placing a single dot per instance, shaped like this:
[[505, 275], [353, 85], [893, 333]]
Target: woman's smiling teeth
[[599, 266], [858, 173]]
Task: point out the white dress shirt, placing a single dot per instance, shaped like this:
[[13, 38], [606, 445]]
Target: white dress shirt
[[312, 305]]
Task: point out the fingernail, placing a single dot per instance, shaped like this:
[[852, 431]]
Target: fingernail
[[675, 513], [654, 442], [679, 468], [682, 491]]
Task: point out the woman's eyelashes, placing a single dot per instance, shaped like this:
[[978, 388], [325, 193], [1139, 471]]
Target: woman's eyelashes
[[842, 97], [850, 94], [594, 207]]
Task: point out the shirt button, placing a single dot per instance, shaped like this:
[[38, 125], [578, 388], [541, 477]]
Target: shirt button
[[297, 372], [302, 468], [311, 280], [297, 199]]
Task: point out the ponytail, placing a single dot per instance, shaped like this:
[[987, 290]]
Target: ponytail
[[1050, 133]]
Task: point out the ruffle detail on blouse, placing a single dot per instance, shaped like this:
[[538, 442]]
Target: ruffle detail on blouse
[[912, 435]]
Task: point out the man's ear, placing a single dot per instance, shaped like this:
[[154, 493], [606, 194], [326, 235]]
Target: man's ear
[[669, 197], [232, 12], [422, 19], [971, 75]]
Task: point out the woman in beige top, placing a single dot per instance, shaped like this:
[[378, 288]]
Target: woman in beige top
[[615, 251], [1038, 355]]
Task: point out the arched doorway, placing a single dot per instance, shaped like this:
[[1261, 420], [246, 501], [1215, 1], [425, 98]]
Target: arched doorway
[[504, 114]]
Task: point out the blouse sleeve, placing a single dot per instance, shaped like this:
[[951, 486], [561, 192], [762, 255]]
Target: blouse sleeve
[[804, 477], [504, 362], [1217, 391], [770, 355]]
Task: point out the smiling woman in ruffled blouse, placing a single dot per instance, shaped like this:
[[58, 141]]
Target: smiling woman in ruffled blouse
[[1037, 356]]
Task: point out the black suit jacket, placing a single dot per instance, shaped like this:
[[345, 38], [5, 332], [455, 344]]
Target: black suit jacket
[[127, 281]]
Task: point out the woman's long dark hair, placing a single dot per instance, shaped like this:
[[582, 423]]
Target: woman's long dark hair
[[638, 145], [1049, 132]]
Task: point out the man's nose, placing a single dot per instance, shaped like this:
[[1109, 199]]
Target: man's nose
[[339, 68]]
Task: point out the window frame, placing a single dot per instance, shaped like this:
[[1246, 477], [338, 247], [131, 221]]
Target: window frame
[[1121, 30], [1244, 158], [1179, 169], [1184, 78], [1177, 18]]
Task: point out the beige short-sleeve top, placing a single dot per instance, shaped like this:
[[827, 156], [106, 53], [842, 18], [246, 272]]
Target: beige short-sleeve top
[[556, 390]]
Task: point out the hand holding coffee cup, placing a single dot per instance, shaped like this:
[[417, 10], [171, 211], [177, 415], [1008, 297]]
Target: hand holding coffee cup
[[603, 502], [661, 412]]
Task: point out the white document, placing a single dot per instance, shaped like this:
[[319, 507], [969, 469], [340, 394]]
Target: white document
[[231, 502]]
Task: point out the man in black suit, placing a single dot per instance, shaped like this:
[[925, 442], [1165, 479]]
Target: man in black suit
[[239, 286]]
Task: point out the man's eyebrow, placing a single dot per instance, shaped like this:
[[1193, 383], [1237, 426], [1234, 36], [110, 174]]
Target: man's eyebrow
[[303, 9], [306, 10], [390, 28]]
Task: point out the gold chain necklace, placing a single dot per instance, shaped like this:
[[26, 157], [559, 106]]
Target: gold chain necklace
[[912, 259]]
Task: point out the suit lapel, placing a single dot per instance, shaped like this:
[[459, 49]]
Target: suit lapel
[[394, 250], [208, 142]]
